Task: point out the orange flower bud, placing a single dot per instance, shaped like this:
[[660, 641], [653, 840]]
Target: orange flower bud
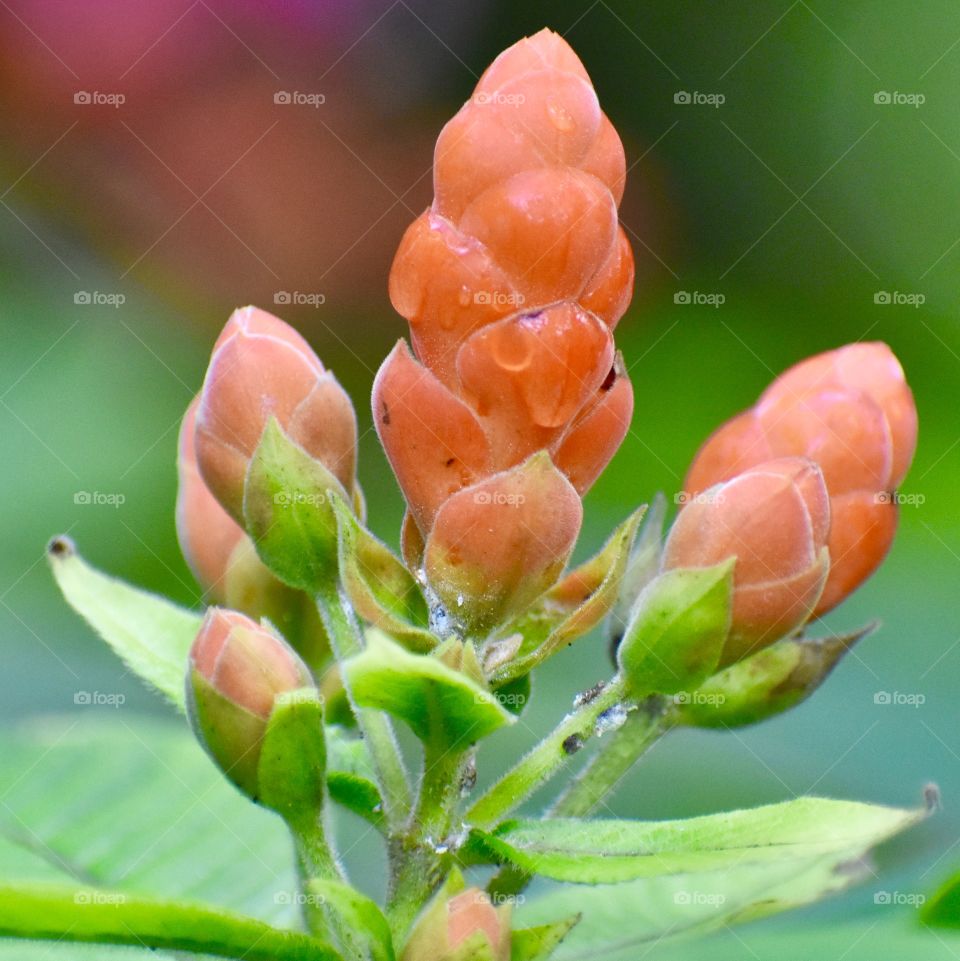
[[512, 283], [496, 545], [775, 519], [852, 412], [460, 928], [237, 670], [208, 535], [260, 368]]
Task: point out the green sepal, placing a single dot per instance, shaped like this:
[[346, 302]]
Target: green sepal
[[231, 735], [766, 683], [381, 589], [362, 918], [351, 780], [677, 630], [293, 757], [537, 944], [288, 511], [571, 608], [434, 700], [642, 567]]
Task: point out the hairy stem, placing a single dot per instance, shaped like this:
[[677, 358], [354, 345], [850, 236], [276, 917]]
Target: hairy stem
[[613, 759], [546, 758], [315, 861], [427, 840], [377, 731]]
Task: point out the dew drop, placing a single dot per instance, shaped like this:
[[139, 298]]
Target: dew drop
[[611, 720], [559, 115], [465, 296]]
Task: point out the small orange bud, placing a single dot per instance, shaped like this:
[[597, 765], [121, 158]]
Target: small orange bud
[[471, 912], [237, 670], [463, 927], [496, 545], [851, 411], [775, 519], [262, 368]]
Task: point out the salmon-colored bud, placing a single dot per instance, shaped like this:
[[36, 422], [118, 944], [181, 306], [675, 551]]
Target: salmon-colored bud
[[550, 230], [433, 440], [471, 912], [237, 670], [852, 412], [775, 520], [462, 927], [597, 432], [512, 283], [208, 535], [446, 286], [530, 374], [609, 291], [262, 368], [863, 525], [498, 544]]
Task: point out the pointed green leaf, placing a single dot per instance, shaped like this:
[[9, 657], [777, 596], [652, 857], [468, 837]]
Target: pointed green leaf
[[677, 630], [289, 513], [539, 943], [77, 914], [380, 588], [571, 607], [151, 635], [769, 682], [361, 917], [610, 851], [432, 699], [642, 567]]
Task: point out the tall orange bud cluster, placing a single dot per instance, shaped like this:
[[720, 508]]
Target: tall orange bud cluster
[[851, 411], [512, 282]]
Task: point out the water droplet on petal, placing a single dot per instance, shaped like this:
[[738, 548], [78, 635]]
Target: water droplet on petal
[[559, 115]]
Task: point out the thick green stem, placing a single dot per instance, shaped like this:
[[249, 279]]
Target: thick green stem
[[613, 760], [547, 757], [315, 861], [345, 639], [423, 849]]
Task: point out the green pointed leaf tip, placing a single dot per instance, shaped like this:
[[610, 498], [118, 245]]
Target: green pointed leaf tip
[[289, 514], [612, 851], [539, 943], [572, 607], [151, 635], [350, 776], [433, 699], [677, 630], [381, 589], [766, 683]]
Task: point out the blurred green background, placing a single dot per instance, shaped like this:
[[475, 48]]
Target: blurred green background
[[821, 199]]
